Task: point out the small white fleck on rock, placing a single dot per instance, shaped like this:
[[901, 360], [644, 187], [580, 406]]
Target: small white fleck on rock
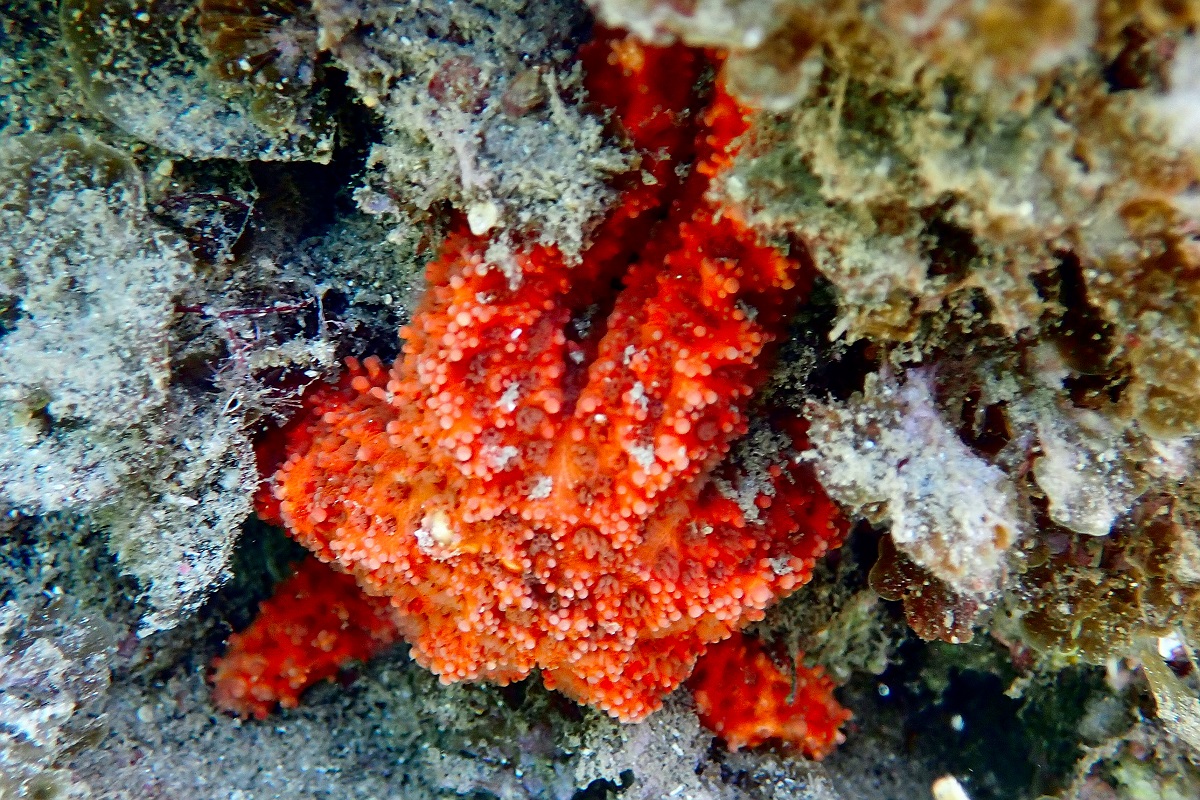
[[947, 787], [482, 217]]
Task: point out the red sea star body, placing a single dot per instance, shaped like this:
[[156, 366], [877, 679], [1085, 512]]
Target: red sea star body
[[536, 483], [317, 622], [745, 698]]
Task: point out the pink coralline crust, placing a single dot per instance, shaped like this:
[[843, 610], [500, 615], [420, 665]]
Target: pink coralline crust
[[744, 697], [530, 483], [317, 623]]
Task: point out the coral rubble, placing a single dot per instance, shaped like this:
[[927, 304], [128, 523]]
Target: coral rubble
[[894, 458]]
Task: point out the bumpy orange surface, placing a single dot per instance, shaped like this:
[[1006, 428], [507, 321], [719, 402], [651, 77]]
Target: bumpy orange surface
[[745, 698], [318, 622], [535, 482]]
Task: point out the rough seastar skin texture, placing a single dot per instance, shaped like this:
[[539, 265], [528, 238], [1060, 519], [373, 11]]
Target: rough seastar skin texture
[[746, 699], [317, 622], [530, 483]]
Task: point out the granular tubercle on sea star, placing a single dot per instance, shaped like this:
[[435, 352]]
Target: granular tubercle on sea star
[[537, 482], [317, 622], [744, 697]]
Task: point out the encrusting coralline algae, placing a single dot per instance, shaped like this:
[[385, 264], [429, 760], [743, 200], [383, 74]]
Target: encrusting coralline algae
[[206, 206], [894, 458]]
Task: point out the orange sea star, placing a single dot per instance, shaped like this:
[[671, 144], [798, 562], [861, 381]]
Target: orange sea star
[[537, 481], [745, 698], [317, 622]]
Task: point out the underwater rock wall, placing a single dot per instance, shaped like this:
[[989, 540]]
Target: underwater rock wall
[[207, 205]]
